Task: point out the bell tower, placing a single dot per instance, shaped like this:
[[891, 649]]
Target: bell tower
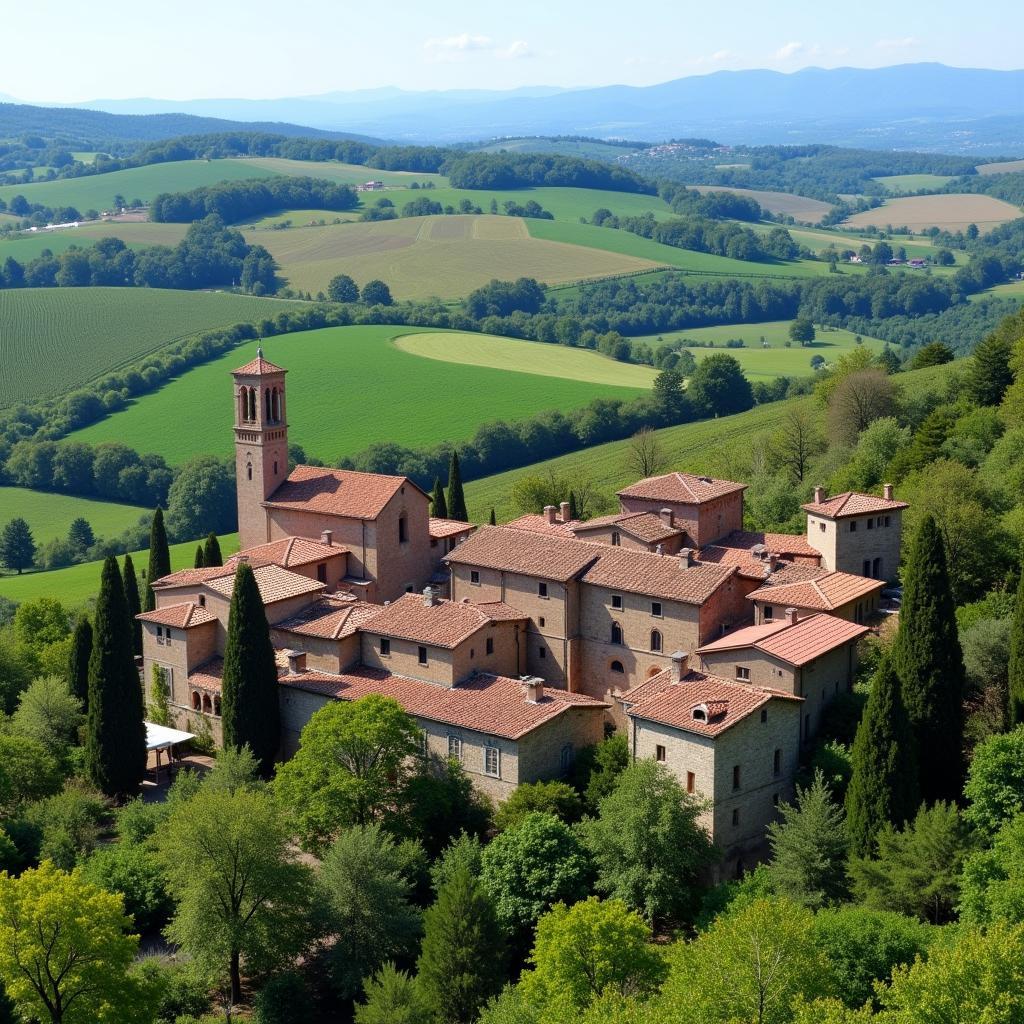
[[261, 444]]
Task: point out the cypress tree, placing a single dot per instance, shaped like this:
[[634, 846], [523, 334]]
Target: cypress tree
[[250, 710], [1016, 667], [884, 787], [211, 553], [573, 514], [438, 506], [131, 597], [461, 962], [930, 665], [200, 560], [78, 661], [159, 556], [492, 519], [115, 741], [456, 499]]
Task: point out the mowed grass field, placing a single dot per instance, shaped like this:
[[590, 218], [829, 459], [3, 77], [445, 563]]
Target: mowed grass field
[[78, 584], [952, 211], [53, 340], [135, 234], [801, 208], [819, 239], [50, 515], [900, 184], [1001, 167], [344, 174], [761, 363], [526, 356], [97, 191], [446, 256], [348, 387]]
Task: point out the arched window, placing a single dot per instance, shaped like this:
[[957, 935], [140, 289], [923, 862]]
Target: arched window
[[196, 700], [207, 704], [616, 633], [243, 405], [277, 405], [252, 404], [248, 470], [655, 640], [616, 666], [266, 404], [653, 671]]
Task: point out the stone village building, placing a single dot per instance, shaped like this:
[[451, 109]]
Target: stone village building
[[715, 650]]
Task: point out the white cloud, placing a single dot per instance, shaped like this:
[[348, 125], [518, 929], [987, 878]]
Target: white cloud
[[789, 51], [516, 50], [905, 43], [454, 48]]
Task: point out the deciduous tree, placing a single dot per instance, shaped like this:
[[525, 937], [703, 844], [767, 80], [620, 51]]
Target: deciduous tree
[[797, 441], [995, 782], [1016, 661], [645, 456]]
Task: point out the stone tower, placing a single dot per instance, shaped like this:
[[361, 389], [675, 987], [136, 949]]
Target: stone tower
[[261, 443]]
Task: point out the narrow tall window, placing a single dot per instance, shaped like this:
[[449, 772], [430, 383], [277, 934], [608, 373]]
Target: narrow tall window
[[403, 529], [777, 763], [735, 776], [691, 782], [492, 762], [455, 747], [659, 753], [489, 646], [655, 641], [248, 471], [542, 590], [616, 633], [422, 655], [385, 646], [616, 539]]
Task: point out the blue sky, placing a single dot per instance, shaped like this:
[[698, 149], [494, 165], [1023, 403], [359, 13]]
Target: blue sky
[[67, 50]]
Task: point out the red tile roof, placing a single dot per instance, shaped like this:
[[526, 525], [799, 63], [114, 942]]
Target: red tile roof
[[183, 616], [681, 487], [443, 624], [332, 617], [338, 492], [673, 704], [852, 503], [288, 552], [500, 612], [275, 583], [489, 704], [642, 572], [191, 577], [440, 528], [259, 366], [797, 644], [826, 593], [207, 676], [753, 567], [524, 552], [645, 526], [539, 524], [773, 543]]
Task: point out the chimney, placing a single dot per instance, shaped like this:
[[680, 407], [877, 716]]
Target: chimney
[[819, 495], [549, 513], [668, 517], [429, 597], [792, 616], [773, 561], [242, 558], [563, 509], [887, 492], [686, 557], [296, 662], [680, 664], [326, 538], [534, 687]]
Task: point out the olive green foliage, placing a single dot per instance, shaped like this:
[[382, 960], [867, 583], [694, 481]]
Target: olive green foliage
[[285, 999], [992, 888], [49, 714], [365, 878], [718, 388], [995, 782], [392, 997], [28, 772], [557, 798], [808, 844], [131, 596], [1015, 669], [529, 868], [466, 851], [250, 707], [68, 824], [648, 846], [159, 709], [159, 557], [596, 770], [133, 871]]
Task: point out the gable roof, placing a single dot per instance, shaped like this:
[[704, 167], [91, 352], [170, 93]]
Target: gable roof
[[441, 624], [274, 583], [754, 567], [338, 492], [183, 616], [673, 704], [783, 544], [645, 526], [332, 617], [825, 593], [440, 528], [537, 523], [852, 503], [686, 488], [288, 552], [258, 366], [524, 552], [643, 572], [796, 644]]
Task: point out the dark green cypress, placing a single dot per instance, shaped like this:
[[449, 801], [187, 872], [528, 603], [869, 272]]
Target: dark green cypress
[[989, 375], [78, 661], [930, 664], [200, 560], [438, 506], [492, 519], [1016, 667], [211, 553], [884, 787], [462, 958], [115, 740], [131, 597], [159, 557], [456, 499], [250, 709], [573, 514]]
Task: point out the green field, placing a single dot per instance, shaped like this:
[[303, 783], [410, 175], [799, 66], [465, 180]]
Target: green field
[[78, 584], [901, 184], [345, 174], [420, 257], [761, 363], [819, 239], [303, 218], [529, 356], [135, 234], [349, 387], [50, 515], [97, 191], [53, 340], [588, 149], [800, 208]]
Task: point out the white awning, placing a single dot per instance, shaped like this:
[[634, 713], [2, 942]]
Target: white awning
[[160, 736]]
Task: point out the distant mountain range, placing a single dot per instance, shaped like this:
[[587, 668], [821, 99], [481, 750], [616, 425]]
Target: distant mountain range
[[907, 106]]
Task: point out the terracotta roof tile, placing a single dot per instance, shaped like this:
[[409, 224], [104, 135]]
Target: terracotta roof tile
[[191, 577], [183, 616], [642, 572], [723, 703], [494, 705], [440, 528], [753, 567], [259, 366], [288, 552], [826, 593], [645, 526], [852, 503], [330, 618], [540, 524], [442, 624], [796, 644], [208, 675], [525, 552], [275, 583], [686, 488], [338, 492], [499, 611], [773, 543]]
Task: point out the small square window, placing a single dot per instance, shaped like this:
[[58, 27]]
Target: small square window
[[202, 600], [422, 655], [691, 782], [616, 600], [542, 590], [821, 527], [321, 572], [656, 609], [474, 577], [455, 747], [160, 631], [769, 613], [385, 646], [853, 526], [492, 762], [540, 621], [887, 520], [542, 653], [742, 672], [871, 524], [659, 753], [490, 645], [735, 816]]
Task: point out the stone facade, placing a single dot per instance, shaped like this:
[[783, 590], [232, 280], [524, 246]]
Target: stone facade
[[704, 523], [865, 545]]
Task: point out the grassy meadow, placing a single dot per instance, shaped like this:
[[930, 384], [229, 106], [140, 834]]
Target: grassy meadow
[[135, 234], [800, 208], [50, 515], [344, 174], [951, 211], [56, 339], [349, 387], [901, 184]]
